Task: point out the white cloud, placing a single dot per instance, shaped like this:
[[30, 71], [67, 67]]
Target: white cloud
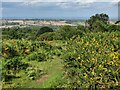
[[84, 1], [73, 4], [61, 3], [115, 0], [12, 0]]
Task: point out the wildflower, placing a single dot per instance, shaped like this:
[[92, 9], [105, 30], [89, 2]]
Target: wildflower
[[93, 72], [105, 69], [109, 63], [93, 59], [82, 61], [100, 66], [92, 51], [109, 70], [91, 79], [78, 57], [100, 74]]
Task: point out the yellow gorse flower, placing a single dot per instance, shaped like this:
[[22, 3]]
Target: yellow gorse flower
[[79, 57], [91, 79]]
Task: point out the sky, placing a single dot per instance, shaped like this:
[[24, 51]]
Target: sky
[[69, 9]]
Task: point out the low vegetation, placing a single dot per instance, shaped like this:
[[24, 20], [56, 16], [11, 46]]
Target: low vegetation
[[70, 57]]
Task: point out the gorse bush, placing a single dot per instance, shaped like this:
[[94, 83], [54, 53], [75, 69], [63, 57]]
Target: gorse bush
[[33, 72], [38, 56], [93, 61], [11, 67], [65, 33], [113, 28], [12, 48], [14, 63]]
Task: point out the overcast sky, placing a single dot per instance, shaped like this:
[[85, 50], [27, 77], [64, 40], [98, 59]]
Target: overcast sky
[[58, 9]]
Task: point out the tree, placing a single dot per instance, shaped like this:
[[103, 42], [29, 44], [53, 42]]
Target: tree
[[104, 18], [117, 22], [99, 26], [44, 30], [81, 28], [66, 31]]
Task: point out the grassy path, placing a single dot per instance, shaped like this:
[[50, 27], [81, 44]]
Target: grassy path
[[54, 72], [53, 68]]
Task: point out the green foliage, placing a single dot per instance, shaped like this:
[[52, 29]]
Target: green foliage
[[81, 28], [93, 61], [17, 33], [28, 33], [103, 18], [99, 26], [100, 17], [15, 64], [12, 48], [49, 36], [90, 55], [44, 30], [65, 33], [11, 67], [113, 28], [38, 56], [117, 22], [33, 72]]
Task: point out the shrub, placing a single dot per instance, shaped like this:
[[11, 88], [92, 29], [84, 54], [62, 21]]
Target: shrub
[[44, 30], [113, 28], [11, 67], [33, 72], [93, 61], [38, 56]]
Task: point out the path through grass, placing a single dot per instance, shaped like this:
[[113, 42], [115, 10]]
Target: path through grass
[[54, 73]]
